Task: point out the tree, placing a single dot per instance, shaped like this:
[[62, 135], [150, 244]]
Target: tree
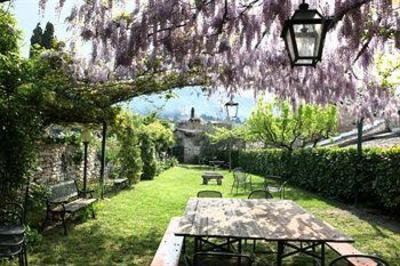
[[129, 163], [36, 39], [48, 38], [162, 135], [148, 157], [43, 40], [20, 125], [277, 125]]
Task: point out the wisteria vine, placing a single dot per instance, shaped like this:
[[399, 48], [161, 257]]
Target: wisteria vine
[[237, 43]]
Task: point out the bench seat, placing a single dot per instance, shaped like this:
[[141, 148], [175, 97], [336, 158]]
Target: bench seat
[[169, 251], [347, 249], [75, 205]]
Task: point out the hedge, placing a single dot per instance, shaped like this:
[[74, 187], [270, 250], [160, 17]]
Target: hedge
[[372, 178]]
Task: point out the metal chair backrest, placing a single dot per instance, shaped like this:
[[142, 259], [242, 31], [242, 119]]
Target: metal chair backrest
[[209, 194], [260, 194], [359, 258], [220, 258], [239, 175], [282, 190]]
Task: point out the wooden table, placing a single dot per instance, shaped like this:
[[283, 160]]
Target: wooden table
[[215, 164], [281, 221], [212, 175]]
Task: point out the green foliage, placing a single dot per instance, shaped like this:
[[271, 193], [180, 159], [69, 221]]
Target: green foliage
[[45, 40], [9, 35], [20, 124], [161, 134], [148, 157], [388, 67], [129, 163], [140, 147], [277, 125], [217, 142], [373, 178]]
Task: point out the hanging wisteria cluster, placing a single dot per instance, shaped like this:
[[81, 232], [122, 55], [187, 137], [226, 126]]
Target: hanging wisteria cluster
[[237, 43]]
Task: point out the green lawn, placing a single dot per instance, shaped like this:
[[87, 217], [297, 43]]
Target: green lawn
[[129, 225]]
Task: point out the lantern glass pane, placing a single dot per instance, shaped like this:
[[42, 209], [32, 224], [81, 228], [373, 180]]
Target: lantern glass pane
[[232, 110], [289, 42], [308, 38], [304, 62]]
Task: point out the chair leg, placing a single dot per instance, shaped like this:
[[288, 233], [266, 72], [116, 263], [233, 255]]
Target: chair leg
[[64, 224], [21, 259], [25, 257], [46, 220], [93, 212]]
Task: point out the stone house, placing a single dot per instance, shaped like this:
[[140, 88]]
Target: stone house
[[190, 135]]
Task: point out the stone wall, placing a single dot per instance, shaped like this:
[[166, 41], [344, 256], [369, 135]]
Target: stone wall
[[59, 162]]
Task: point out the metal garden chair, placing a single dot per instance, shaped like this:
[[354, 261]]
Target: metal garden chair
[[282, 190], [12, 233], [241, 179], [260, 194], [346, 260], [220, 258], [209, 194]]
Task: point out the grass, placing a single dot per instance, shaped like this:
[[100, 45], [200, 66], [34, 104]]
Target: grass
[[130, 224]]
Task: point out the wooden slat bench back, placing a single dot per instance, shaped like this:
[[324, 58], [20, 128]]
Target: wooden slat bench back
[[63, 191], [169, 251], [348, 249]]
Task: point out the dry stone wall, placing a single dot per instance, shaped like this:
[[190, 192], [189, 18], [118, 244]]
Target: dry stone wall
[[59, 162]]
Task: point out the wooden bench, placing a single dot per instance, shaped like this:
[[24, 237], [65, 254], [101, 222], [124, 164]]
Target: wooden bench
[[169, 251], [347, 249], [212, 175], [66, 198], [119, 183]]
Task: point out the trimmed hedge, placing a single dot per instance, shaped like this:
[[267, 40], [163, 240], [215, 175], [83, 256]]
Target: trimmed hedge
[[373, 178]]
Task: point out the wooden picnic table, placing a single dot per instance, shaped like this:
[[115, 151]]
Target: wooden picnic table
[[216, 163], [281, 221]]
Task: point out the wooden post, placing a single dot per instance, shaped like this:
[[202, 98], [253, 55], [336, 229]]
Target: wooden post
[[85, 165], [103, 157], [360, 123], [230, 154]]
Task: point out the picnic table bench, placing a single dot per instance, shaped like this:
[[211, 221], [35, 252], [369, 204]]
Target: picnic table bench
[[212, 175], [66, 198], [169, 251], [347, 249]]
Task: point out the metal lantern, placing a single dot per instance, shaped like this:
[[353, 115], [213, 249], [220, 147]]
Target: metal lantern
[[304, 36], [232, 109], [85, 135]]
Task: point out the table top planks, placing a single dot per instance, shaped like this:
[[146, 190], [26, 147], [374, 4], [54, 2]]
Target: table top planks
[[271, 220]]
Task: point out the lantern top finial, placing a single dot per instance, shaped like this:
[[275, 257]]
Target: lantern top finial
[[303, 6]]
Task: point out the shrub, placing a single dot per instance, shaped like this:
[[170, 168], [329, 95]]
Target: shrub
[[148, 157], [373, 178], [126, 157]]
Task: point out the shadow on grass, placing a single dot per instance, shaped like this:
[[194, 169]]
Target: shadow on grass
[[95, 246]]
